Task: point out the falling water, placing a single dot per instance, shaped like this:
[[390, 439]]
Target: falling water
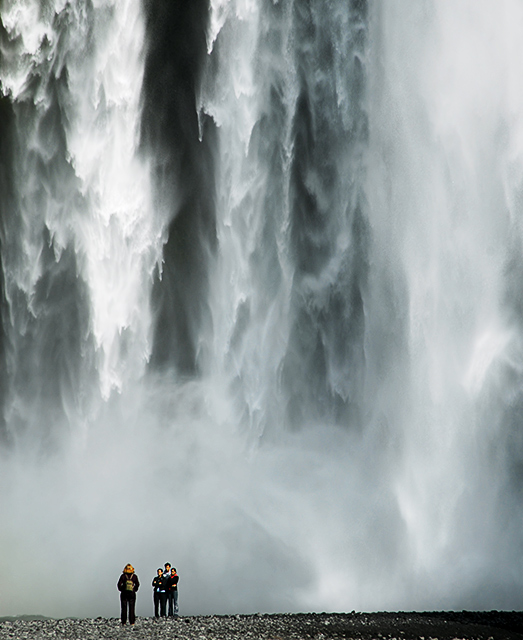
[[261, 313]]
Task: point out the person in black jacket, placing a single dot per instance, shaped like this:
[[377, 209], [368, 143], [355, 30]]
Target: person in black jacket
[[128, 585], [172, 593], [159, 593]]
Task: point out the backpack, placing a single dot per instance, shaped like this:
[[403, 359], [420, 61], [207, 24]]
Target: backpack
[[129, 585]]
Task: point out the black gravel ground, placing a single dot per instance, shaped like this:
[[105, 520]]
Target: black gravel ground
[[495, 625]]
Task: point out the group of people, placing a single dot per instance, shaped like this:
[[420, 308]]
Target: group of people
[[165, 592]]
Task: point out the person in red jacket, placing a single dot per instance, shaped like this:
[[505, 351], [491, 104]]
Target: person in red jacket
[[172, 593], [128, 585]]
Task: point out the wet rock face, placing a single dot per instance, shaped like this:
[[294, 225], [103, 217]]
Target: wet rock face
[[359, 626]]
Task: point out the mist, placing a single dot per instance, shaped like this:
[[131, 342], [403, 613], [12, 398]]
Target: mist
[[261, 313]]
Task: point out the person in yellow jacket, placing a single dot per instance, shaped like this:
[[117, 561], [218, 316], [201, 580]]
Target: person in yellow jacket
[[128, 585]]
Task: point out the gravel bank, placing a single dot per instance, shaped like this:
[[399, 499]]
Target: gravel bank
[[363, 626]]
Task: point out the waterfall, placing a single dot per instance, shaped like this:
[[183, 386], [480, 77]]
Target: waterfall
[[260, 312]]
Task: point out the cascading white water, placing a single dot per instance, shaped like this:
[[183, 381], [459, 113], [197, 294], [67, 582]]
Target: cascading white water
[[75, 74], [349, 435], [445, 120], [250, 309]]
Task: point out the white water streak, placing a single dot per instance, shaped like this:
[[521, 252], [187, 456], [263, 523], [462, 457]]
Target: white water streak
[[109, 219], [119, 237], [237, 98]]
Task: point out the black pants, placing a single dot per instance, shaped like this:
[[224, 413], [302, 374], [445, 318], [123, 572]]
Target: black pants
[[160, 598], [128, 600]]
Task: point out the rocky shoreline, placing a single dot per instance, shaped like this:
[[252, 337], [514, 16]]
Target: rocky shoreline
[[495, 625]]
